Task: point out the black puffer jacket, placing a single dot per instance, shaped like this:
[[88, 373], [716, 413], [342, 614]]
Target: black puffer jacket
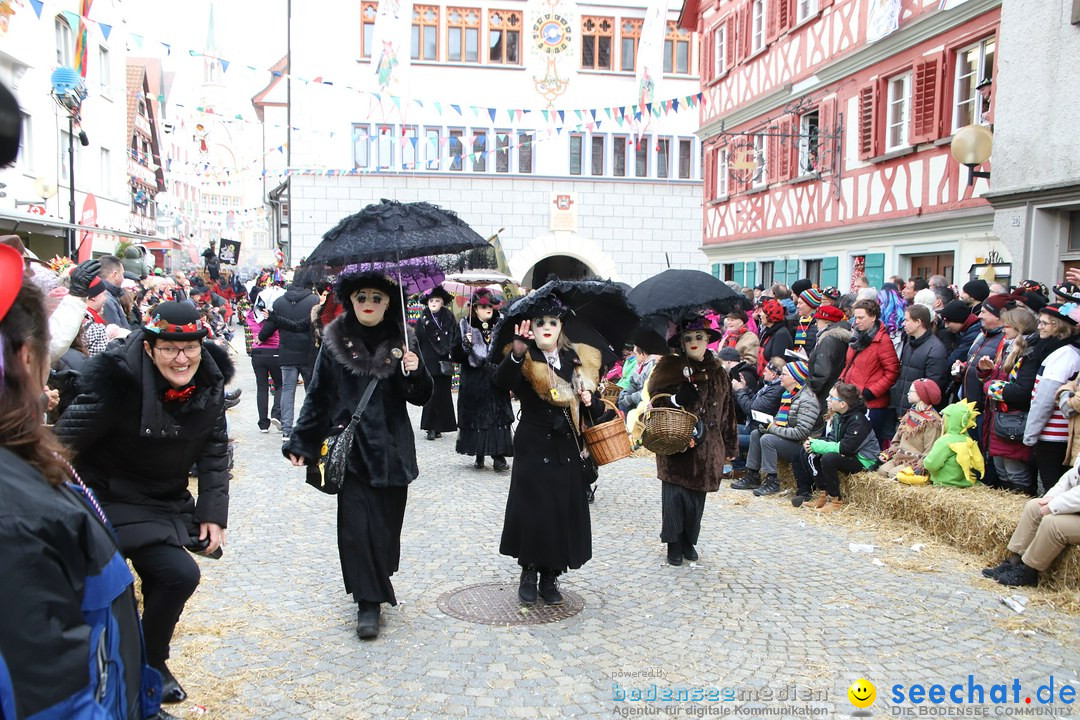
[[922, 357], [765, 400], [291, 318], [827, 359], [135, 450]]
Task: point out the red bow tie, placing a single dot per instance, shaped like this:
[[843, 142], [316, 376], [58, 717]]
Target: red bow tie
[[179, 395]]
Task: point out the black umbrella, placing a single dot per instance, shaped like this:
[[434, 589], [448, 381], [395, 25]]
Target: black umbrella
[[390, 230], [600, 317], [675, 293]]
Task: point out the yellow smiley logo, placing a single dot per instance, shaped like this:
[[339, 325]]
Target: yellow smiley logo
[[862, 693]]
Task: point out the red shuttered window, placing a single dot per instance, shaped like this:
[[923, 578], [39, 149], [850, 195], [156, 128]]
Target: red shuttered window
[[926, 101], [869, 142]]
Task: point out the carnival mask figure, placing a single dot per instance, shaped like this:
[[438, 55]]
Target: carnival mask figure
[[546, 332], [435, 304], [695, 344]]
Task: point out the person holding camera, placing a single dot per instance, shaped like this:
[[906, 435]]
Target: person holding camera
[[160, 396]]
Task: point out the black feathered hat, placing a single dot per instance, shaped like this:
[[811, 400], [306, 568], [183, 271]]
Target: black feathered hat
[[437, 292], [484, 297], [347, 285]]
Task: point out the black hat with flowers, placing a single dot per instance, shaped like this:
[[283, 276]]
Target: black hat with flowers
[[175, 321]]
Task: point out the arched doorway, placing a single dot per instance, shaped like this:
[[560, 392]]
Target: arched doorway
[[562, 266]]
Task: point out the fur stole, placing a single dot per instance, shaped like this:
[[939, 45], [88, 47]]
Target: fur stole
[[584, 361], [354, 356]]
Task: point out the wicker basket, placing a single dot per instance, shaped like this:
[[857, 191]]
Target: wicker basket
[[666, 431], [608, 441], [610, 392]]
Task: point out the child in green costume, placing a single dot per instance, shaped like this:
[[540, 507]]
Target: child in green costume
[[955, 459]]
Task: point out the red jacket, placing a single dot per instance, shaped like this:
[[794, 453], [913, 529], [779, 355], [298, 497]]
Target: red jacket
[[875, 367]]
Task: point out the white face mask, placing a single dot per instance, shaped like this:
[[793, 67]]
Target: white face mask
[[435, 304], [546, 331], [695, 343], [370, 306]]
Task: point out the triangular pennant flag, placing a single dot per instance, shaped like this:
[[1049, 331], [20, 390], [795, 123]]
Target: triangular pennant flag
[[105, 29], [138, 40], [675, 104], [593, 113], [438, 107], [607, 111], [456, 108], [72, 20], [491, 114], [37, 4], [562, 116], [396, 100], [547, 116], [578, 113], [700, 97], [224, 65], [598, 124], [420, 104], [510, 115], [619, 119], [648, 106], [518, 114]]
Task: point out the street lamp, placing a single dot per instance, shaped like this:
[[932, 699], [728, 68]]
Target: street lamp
[[971, 146], [69, 91]]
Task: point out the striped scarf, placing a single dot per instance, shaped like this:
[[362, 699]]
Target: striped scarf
[[781, 419], [800, 331]]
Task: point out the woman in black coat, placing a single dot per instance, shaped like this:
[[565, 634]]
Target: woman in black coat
[[437, 334], [484, 411], [366, 344], [546, 525], [149, 409], [65, 580]]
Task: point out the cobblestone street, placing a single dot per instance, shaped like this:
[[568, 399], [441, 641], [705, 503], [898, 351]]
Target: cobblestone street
[[777, 598]]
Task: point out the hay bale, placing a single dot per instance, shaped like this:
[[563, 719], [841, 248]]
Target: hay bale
[[978, 519]]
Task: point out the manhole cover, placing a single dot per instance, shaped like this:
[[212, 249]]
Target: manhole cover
[[498, 604]]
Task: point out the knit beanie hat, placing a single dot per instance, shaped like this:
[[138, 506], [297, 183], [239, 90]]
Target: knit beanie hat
[[956, 311], [830, 313], [774, 311], [799, 370], [994, 304], [96, 287], [977, 289], [812, 297], [928, 391], [800, 285]]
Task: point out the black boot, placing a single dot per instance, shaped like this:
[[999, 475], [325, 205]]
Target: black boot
[[171, 692], [367, 620], [1019, 575], [749, 481], [771, 486], [479, 464], [1007, 563], [527, 586], [549, 588], [674, 553], [430, 434], [688, 551], [499, 463]]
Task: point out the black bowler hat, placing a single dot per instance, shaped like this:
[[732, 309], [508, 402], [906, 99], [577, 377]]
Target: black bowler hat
[[176, 321]]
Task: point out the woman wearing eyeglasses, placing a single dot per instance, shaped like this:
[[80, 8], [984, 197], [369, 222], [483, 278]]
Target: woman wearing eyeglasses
[[147, 411]]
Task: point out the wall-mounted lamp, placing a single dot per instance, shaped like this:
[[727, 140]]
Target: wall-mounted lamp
[[971, 146]]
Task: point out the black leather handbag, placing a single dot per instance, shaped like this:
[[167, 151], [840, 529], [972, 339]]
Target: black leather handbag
[[1010, 425]]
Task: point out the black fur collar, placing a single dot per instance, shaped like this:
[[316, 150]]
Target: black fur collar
[[351, 352]]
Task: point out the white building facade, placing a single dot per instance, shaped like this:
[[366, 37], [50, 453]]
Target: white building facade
[[557, 152]]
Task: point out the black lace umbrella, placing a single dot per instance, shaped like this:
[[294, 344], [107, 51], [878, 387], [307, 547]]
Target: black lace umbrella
[[674, 294], [390, 230], [600, 315]]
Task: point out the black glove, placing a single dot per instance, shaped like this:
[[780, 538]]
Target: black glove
[[82, 276], [687, 395], [867, 394]]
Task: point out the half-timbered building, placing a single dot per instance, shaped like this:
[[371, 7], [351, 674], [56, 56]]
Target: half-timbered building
[[826, 129]]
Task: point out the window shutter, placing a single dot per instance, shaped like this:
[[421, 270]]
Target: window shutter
[[830, 272], [783, 15], [707, 48], [925, 114], [750, 275], [824, 3], [783, 149], [715, 270], [772, 19], [746, 23], [729, 42], [710, 173], [739, 272], [792, 272], [875, 269], [828, 147], [868, 122]]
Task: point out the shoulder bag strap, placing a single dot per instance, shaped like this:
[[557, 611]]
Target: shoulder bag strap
[[365, 398]]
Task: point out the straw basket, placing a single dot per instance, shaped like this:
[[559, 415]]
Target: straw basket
[[610, 392], [665, 430], [608, 441]]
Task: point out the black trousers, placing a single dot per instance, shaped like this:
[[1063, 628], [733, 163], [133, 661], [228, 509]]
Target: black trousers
[[267, 366], [828, 467], [1050, 460], [169, 577], [681, 510]]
